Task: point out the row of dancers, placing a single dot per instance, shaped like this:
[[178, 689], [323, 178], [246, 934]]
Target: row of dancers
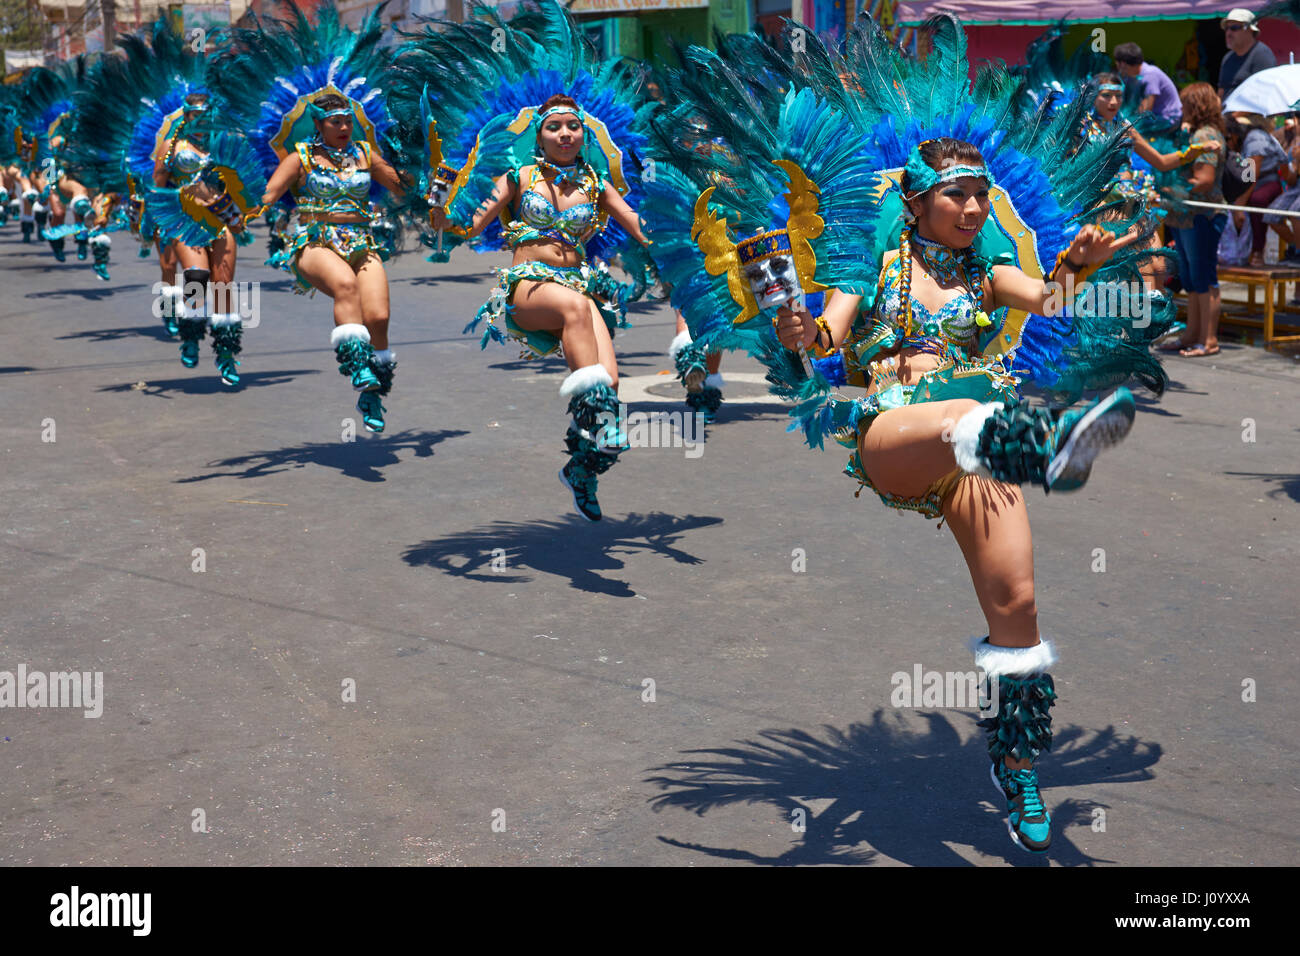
[[887, 238]]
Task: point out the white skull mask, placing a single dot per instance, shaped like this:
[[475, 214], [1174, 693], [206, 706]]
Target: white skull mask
[[774, 282]]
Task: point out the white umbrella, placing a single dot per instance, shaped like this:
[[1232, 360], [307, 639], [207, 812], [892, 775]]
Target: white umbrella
[[1270, 91]]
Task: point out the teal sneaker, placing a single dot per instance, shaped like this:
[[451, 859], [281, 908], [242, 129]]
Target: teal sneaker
[[583, 487], [1028, 821], [1081, 434], [372, 411]]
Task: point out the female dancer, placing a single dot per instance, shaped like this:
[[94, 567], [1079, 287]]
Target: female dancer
[[184, 164], [545, 298], [954, 458], [334, 249], [542, 134], [311, 95], [940, 332]]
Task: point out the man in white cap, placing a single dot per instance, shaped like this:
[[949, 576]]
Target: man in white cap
[[1246, 55]]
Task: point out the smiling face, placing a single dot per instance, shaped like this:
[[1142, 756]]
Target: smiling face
[[561, 138], [1107, 104], [335, 131], [953, 212]]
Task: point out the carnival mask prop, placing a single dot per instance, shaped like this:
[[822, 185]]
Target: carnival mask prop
[[771, 268], [768, 266]]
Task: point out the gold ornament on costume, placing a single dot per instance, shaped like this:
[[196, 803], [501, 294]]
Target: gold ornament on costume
[[771, 267]]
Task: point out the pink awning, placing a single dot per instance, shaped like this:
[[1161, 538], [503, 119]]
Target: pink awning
[[1049, 11]]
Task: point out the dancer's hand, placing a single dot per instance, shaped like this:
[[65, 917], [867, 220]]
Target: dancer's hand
[[1093, 245], [438, 219], [794, 330]]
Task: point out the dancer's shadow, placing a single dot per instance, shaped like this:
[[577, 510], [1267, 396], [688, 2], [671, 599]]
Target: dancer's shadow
[[552, 363], [554, 547], [1152, 404], [95, 293], [10, 369], [469, 278], [894, 790], [209, 383], [1288, 485], [363, 458], [156, 331]]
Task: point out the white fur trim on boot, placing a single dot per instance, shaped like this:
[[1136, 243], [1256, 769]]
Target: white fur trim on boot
[[682, 339], [714, 381], [101, 240], [998, 661], [584, 379], [352, 330], [38, 208], [384, 356], [225, 318], [966, 437]]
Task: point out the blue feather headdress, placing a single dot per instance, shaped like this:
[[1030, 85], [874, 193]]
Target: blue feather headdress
[[272, 72]]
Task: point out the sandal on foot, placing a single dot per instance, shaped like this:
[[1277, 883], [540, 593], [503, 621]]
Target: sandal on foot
[[1198, 351]]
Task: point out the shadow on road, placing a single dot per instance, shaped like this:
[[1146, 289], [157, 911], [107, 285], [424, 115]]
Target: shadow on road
[[556, 364], [468, 278], [95, 293], [208, 382], [1288, 485], [554, 548], [895, 790], [361, 459], [155, 331]]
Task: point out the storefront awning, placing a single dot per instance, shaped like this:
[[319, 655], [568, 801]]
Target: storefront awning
[[1049, 11], [632, 6]]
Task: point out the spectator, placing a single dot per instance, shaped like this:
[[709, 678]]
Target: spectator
[[1159, 95], [1289, 201], [1198, 232], [1246, 55], [1249, 135]]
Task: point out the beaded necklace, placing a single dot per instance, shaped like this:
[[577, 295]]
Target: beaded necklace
[[575, 175], [344, 158], [971, 274]]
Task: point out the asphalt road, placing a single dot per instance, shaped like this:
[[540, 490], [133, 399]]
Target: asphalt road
[[498, 645]]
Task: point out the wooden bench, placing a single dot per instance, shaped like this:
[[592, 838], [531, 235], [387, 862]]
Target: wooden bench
[[1274, 279]]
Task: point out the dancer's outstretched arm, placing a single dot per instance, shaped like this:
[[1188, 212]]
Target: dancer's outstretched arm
[[1091, 247]]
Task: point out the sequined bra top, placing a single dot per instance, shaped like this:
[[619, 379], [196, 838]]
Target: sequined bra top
[[539, 219], [187, 163], [328, 190], [952, 330]]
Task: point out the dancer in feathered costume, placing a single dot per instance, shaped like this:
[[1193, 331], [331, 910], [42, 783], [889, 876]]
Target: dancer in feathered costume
[[132, 123], [960, 302], [545, 159], [312, 96], [39, 128]]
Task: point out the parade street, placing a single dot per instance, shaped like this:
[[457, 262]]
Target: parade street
[[322, 646]]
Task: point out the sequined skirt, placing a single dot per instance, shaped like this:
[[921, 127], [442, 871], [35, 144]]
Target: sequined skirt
[[353, 241], [498, 311], [953, 379]]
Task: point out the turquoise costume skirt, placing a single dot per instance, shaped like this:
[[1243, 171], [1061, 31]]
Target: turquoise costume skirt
[[604, 291], [953, 379], [353, 241]]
